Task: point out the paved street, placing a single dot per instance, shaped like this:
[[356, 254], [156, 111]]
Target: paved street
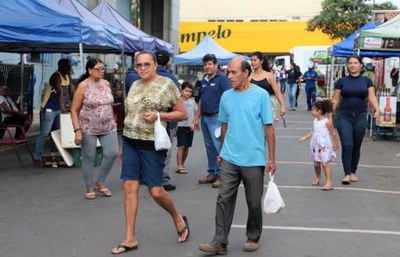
[[43, 212]]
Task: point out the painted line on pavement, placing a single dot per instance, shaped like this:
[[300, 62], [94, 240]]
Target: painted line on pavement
[[297, 122], [343, 188], [298, 116], [287, 128], [337, 163], [289, 136], [340, 188], [337, 230], [365, 138]]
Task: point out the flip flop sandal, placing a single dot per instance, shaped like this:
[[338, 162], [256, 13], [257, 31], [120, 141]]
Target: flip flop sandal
[[325, 188], [184, 229], [125, 249], [316, 182], [353, 178], [346, 180], [90, 195], [105, 192], [181, 171]]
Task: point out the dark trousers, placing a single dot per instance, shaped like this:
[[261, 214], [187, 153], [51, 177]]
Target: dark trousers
[[351, 127], [310, 93], [253, 181]]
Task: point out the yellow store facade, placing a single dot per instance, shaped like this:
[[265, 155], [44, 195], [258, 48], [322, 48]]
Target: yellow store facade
[[245, 37], [259, 25]]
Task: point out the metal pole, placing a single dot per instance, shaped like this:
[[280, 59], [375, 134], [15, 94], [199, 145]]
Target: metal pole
[[81, 57], [21, 102], [124, 71], [332, 77]]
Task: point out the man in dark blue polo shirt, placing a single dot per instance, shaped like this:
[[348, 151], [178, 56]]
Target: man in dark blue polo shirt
[[131, 76], [213, 85], [310, 77]]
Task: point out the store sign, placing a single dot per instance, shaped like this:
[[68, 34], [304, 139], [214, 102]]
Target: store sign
[[391, 43], [247, 37], [218, 33], [371, 42]]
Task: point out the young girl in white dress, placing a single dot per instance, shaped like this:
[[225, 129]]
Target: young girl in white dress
[[322, 151]]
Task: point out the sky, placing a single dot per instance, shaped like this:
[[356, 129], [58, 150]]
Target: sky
[[395, 2]]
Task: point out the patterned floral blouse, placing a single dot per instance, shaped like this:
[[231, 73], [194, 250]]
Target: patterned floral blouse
[[96, 116], [155, 96]]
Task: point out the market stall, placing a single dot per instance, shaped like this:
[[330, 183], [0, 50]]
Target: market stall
[[385, 41]]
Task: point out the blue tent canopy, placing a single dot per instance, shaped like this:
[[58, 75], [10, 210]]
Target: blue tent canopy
[[345, 47], [44, 26], [206, 46], [110, 16], [76, 8]]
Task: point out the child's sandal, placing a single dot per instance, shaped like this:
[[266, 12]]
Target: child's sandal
[[316, 182]]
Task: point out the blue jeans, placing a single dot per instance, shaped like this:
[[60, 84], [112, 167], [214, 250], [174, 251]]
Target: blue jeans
[[310, 92], [213, 144], [109, 143], [292, 95], [49, 121], [351, 127], [283, 85]]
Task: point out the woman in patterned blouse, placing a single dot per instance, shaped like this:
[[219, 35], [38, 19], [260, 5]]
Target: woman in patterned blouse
[[93, 118], [141, 163]]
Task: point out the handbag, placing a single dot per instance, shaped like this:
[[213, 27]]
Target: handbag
[[273, 201], [161, 138]]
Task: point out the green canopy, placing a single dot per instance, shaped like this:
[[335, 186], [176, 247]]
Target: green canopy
[[385, 37]]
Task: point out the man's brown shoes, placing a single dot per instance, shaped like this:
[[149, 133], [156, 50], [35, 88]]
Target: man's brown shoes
[[214, 247], [251, 246], [207, 180]]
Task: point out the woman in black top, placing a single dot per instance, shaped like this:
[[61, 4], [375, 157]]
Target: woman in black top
[[294, 75], [349, 99], [262, 77]]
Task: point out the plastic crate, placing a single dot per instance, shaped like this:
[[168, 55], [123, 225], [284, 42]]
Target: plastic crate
[[77, 154]]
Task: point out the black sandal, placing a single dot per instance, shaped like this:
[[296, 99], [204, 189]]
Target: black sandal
[[125, 249], [185, 228]]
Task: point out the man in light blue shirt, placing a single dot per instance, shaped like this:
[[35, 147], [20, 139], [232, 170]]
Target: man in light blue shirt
[[246, 115]]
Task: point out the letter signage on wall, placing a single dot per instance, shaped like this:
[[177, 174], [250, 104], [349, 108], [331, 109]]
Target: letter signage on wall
[[246, 37]]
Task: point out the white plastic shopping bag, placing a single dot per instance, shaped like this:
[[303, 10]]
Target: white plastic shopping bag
[[273, 201], [161, 138]]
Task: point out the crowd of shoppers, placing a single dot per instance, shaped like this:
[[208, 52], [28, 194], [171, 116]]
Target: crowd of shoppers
[[239, 138]]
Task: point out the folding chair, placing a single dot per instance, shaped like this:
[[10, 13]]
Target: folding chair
[[7, 138]]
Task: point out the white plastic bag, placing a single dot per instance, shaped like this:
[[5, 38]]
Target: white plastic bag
[[273, 201], [161, 138]]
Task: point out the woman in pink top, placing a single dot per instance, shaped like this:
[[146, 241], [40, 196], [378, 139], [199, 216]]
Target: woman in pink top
[[93, 118]]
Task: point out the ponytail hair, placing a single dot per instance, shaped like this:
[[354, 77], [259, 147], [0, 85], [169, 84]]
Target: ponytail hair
[[89, 65], [264, 62]]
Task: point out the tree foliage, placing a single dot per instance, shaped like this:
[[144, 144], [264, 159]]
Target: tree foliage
[[384, 6], [340, 18]]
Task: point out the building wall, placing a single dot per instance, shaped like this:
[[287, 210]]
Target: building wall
[[160, 18], [203, 10], [270, 26]]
